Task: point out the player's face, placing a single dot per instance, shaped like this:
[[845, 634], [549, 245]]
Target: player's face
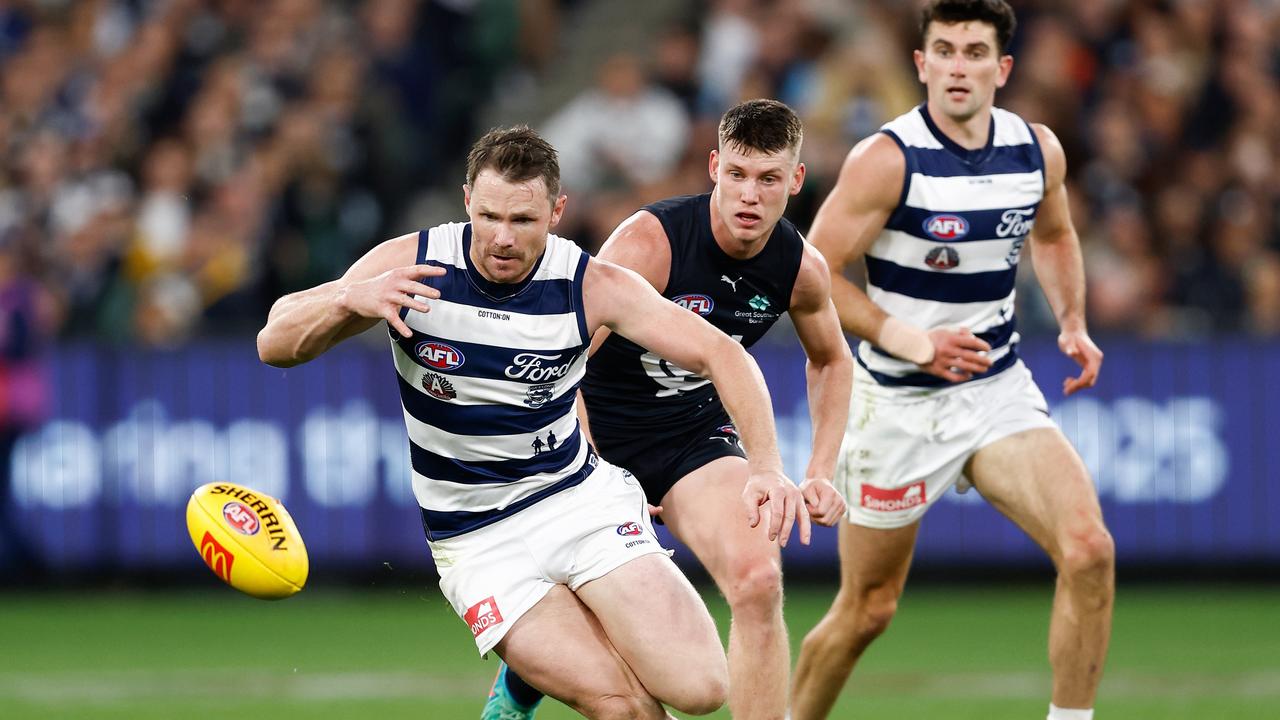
[[509, 224], [752, 188], [961, 68]]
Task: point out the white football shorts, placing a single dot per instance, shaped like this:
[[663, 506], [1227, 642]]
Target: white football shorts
[[494, 575], [904, 448]]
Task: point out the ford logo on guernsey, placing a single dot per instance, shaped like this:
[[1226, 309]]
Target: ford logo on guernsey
[[696, 302], [946, 227], [440, 356]]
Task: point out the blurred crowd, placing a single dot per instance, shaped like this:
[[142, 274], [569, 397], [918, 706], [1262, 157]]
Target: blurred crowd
[[173, 166], [1167, 110]]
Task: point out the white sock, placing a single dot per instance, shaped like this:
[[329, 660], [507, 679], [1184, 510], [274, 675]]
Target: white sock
[[1057, 713]]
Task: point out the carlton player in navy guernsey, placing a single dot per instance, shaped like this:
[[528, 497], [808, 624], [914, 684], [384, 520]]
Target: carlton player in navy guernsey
[[544, 549], [939, 204], [730, 257]]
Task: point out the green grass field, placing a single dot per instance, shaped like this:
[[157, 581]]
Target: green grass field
[[392, 653]]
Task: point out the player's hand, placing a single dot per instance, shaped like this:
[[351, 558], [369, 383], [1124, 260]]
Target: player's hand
[[383, 296], [824, 504], [654, 510], [1077, 345], [786, 505], [958, 354]]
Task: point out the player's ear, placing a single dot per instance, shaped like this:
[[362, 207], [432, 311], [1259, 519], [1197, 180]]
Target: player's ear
[[1006, 67], [713, 165], [466, 197], [797, 179], [557, 209], [918, 57]]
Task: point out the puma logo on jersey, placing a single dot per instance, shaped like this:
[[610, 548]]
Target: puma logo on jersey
[[732, 283]]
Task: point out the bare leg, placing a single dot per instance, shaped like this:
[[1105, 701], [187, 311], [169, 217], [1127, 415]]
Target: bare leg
[[560, 647], [662, 631], [1038, 481], [873, 572], [704, 510]]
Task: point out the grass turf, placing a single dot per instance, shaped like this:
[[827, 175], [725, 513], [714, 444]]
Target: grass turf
[[973, 652]]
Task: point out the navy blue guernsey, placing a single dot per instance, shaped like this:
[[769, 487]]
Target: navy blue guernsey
[[625, 384]]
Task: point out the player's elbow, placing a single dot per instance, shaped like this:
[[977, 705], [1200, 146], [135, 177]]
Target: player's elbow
[[272, 352]]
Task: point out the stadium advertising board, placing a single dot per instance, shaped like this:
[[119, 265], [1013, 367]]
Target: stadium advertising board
[[1178, 438]]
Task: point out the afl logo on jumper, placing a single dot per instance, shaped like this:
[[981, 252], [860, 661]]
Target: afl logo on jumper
[[946, 227], [942, 257], [440, 356], [696, 302]]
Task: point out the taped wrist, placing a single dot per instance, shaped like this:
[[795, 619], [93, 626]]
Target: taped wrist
[[905, 341]]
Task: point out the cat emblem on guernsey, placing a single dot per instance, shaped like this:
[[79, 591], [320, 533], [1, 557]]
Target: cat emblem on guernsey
[[946, 227], [440, 356]]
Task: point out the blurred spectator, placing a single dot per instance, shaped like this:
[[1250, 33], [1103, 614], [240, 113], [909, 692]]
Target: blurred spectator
[[626, 130], [176, 166], [27, 319]]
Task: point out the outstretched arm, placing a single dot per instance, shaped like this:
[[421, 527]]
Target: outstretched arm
[[847, 224], [305, 324], [622, 301], [1055, 254], [829, 371]]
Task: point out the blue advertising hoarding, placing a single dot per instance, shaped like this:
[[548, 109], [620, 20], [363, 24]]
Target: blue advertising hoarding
[[1179, 438]]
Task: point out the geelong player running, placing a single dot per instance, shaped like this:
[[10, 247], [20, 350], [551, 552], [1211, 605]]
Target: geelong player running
[[543, 549], [728, 256], [939, 204]]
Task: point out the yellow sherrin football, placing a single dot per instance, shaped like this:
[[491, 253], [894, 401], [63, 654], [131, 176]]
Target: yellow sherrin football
[[247, 539]]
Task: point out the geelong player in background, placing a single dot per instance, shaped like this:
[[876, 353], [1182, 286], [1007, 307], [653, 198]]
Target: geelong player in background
[[543, 549], [939, 204], [731, 257]]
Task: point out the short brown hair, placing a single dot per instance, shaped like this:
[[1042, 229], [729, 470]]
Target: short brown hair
[[996, 13], [764, 125], [517, 154]]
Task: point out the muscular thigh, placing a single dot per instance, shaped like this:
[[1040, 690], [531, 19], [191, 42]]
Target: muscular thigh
[[656, 621], [1037, 480], [561, 648], [704, 510]]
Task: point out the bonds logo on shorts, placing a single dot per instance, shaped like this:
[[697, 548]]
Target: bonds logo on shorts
[[946, 227], [630, 528], [482, 616], [538, 395], [438, 386], [903, 498], [942, 258], [440, 356], [241, 518], [696, 302]]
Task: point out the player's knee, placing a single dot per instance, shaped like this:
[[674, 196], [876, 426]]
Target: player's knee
[[875, 618], [867, 615], [755, 586], [704, 693], [1088, 555]]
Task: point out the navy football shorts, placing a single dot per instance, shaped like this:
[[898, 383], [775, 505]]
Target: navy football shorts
[[659, 455]]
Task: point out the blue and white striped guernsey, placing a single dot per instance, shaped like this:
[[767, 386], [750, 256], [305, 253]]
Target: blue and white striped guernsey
[[948, 254], [488, 383]]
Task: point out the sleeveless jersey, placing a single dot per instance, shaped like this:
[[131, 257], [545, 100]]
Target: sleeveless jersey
[[625, 384], [488, 383], [948, 254]]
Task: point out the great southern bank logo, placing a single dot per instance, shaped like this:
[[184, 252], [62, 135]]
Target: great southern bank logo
[[946, 227], [440, 355], [696, 302]]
